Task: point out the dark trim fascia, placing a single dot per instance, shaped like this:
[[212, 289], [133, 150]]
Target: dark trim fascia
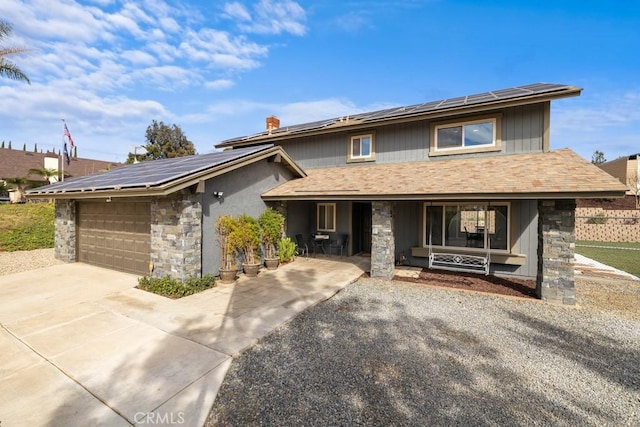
[[450, 197]]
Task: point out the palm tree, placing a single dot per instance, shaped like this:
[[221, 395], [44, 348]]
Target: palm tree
[[47, 174], [8, 68]]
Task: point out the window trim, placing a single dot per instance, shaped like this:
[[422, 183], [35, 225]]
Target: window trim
[[487, 205], [333, 206], [495, 146], [372, 155]]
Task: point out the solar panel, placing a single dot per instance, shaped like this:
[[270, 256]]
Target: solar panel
[[150, 174], [475, 99]]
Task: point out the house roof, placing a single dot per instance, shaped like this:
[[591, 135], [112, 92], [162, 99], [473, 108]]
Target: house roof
[[545, 175], [528, 94], [162, 177], [17, 163]]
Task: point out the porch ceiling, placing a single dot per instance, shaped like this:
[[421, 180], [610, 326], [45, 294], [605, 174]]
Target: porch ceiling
[[550, 175]]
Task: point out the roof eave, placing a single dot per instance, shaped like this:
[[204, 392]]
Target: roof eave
[[452, 197], [465, 109], [172, 186]]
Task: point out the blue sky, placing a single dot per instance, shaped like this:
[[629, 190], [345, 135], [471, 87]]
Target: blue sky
[[219, 68]]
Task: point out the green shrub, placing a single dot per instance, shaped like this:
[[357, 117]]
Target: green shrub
[[286, 249], [173, 288], [598, 218], [28, 226]]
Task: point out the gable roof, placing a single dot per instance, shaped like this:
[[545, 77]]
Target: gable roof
[[527, 94], [544, 175], [162, 177], [16, 163]]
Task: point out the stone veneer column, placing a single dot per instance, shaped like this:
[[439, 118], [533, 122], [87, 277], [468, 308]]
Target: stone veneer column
[[176, 235], [65, 230], [382, 240], [556, 247]]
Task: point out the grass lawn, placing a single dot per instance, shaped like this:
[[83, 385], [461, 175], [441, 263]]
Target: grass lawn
[[623, 259], [26, 226]]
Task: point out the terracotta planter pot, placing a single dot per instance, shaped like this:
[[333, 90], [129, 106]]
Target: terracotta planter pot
[[228, 276], [251, 270], [271, 263]]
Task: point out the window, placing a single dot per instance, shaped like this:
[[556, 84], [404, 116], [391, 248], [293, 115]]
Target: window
[[361, 148], [326, 217], [464, 137], [467, 225]]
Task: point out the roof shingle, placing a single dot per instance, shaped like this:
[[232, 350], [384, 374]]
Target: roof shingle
[[560, 173]]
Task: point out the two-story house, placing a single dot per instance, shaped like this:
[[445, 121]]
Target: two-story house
[[466, 183]]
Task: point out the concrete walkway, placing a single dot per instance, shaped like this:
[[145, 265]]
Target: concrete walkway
[[81, 346]]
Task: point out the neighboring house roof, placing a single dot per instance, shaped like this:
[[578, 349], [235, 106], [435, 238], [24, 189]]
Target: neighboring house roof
[[17, 163], [548, 175], [528, 94], [162, 177], [627, 170]]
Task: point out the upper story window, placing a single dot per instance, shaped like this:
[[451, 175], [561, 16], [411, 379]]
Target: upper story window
[[471, 136], [361, 148], [326, 217]]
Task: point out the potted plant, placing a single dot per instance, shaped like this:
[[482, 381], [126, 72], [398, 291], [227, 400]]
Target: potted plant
[[272, 225], [227, 229], [249, 238]]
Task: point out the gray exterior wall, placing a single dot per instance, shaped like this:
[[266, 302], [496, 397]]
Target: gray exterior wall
[[301, 219], [522, 132], [242, 189], [524, 235]]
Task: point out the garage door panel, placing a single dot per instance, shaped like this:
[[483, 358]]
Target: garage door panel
[[115, 235]]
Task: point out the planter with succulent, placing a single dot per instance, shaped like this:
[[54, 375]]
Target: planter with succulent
[[227, 229], [249, 238], [272, 225]]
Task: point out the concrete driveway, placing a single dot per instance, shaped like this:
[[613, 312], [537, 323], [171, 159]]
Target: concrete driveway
[[81, 346]]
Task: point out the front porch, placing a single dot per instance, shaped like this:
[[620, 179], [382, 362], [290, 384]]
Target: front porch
[[520, 239]]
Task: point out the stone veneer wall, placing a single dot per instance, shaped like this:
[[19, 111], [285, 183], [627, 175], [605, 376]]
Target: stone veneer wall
[[382, 240], [176, 235], [556, 247], [65, 230]]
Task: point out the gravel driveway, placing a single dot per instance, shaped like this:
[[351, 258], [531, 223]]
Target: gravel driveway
[[382, 353]]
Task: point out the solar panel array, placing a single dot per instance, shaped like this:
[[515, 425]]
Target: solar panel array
[[149, 174], [398, 112]]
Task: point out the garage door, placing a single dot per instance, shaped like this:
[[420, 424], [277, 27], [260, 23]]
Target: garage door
[[115, 235]]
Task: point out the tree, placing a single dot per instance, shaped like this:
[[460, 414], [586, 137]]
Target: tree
[[18, 183], [598, 158], [47, 174], [164, 142], [8, 68]]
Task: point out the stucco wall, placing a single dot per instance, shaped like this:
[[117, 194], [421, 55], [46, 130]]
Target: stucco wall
[[242, 189]]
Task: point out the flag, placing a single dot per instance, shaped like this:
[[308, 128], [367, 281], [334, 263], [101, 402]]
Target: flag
[[66, 154], [68, 135]]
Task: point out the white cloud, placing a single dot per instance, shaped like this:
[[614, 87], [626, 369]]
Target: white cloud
[[269, 17], [237, 11], [103, 65], [139, 57], [219, 84], [607, 123]]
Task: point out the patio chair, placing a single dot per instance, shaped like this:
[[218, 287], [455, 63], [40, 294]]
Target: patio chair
[[302, 247], [340, 243]]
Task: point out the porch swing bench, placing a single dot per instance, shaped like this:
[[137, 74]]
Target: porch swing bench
[[459, 262], [463, 263]]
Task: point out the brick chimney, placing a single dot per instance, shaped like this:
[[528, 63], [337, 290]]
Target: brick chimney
[[272, 123]]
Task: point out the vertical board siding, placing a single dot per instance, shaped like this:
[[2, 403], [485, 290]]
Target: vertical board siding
[[522, 132], [524, 216]]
